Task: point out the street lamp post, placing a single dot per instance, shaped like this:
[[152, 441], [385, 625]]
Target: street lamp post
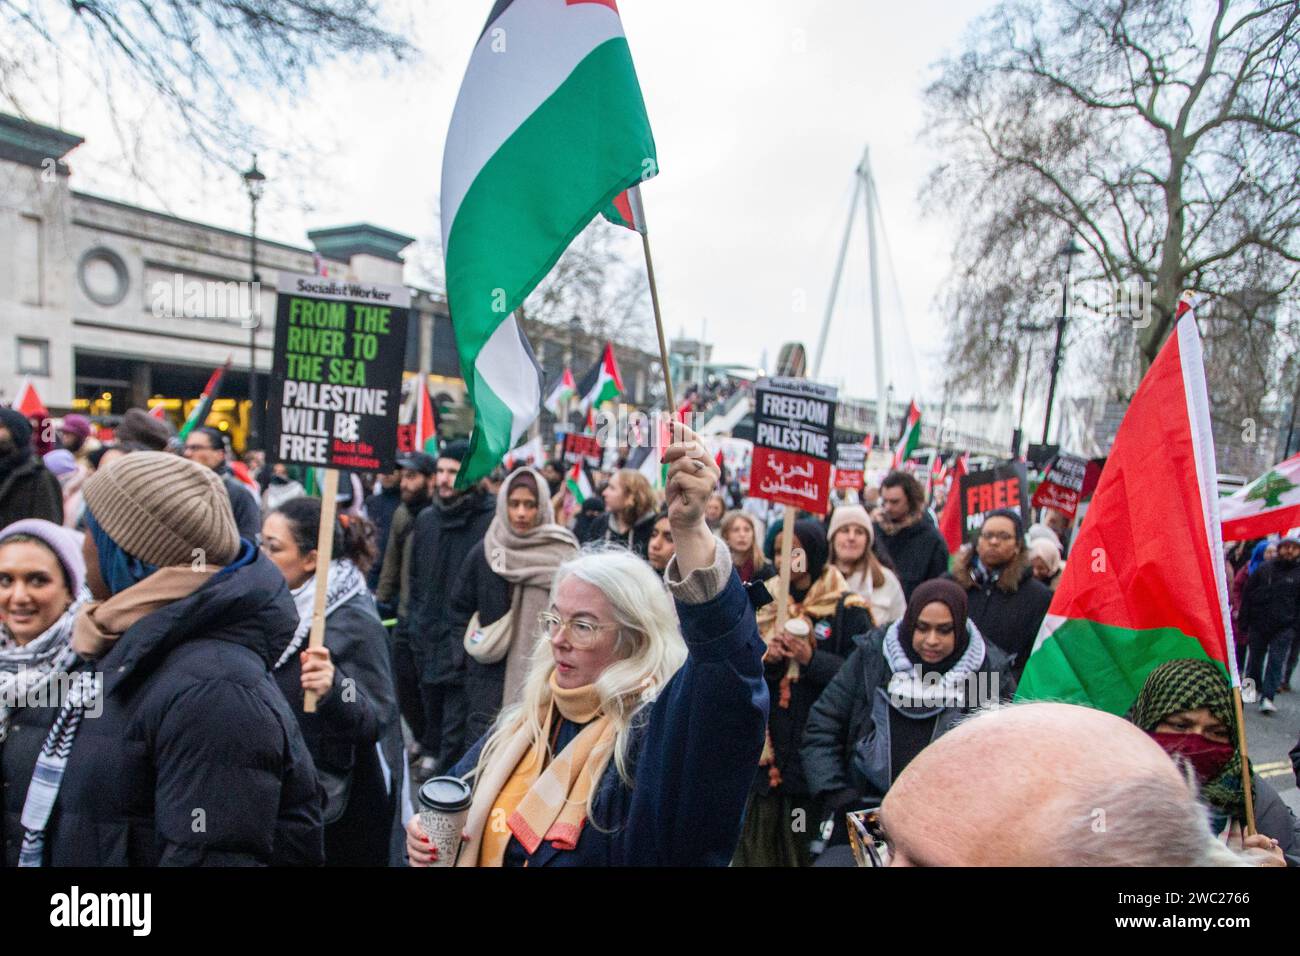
[[254, 182], [1068, 252]]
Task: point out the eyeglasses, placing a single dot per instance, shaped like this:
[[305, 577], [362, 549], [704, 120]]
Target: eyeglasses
[[582, 633], [999, 536], [867, 838]]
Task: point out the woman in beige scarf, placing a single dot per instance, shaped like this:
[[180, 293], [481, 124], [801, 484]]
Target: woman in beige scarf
[[510, 575], [635, 740]]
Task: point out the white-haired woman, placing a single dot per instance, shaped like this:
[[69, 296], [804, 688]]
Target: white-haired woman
[[639, 729]]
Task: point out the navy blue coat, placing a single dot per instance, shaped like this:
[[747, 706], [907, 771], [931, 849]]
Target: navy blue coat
[[692, 760], [196, 759]]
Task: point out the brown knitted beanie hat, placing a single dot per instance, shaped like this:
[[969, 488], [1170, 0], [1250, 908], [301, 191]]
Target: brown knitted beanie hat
[[160, 508]]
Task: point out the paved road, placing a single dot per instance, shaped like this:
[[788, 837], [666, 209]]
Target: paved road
[[1270, 737]]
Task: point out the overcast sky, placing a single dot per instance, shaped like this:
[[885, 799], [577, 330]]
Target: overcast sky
[[760, 110]]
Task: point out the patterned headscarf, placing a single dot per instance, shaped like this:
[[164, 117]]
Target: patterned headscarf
[[1189, 684]]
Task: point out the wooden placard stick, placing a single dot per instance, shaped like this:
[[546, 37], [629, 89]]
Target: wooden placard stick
[[329, 504]]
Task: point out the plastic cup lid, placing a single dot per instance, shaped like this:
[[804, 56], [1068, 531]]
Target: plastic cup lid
[[797, 626], [447, 794]]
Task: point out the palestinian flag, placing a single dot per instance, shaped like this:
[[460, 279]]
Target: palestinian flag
[[548, 129], [577, 484], [426, 422], [911, 436], [532, 453], [204, 407], [1268, 505], [557, 402], [1145, 581], [626, 210], [602, 383], [950, 517], [28, 402]]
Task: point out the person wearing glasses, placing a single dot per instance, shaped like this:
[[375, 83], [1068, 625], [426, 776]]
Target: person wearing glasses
[[1005, 600], [642, 716], [207, 447]]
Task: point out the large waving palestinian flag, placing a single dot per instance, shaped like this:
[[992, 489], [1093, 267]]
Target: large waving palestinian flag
[[548, 129], [1145, 581]]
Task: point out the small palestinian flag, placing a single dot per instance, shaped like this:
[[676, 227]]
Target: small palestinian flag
[[626, 210], [204, 407], [602, 383], [557, 401], [911, 436], [28, 402], [577, 484]]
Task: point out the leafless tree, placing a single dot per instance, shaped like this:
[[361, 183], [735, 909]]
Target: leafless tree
[[1161, 135], [185, 61]]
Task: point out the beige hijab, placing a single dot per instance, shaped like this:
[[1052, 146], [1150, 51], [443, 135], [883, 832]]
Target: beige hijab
[[528, 561]]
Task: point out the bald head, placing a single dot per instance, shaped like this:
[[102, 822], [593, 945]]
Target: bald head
[[1042, 785]]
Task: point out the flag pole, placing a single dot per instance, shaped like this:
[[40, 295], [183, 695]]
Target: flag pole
[[324, 548], [659, 324], [1246, 788]]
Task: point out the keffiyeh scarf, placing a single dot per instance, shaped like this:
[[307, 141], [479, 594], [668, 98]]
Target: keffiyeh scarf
[[26, 669], [344, 583]]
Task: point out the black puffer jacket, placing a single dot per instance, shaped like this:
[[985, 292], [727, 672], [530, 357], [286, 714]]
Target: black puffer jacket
[[481, 591], [354, 736], [1009, 611], [842, 717], [196, 759], [28, 728], [441, 544], [918, 552], [1270, 601], [28, 490]]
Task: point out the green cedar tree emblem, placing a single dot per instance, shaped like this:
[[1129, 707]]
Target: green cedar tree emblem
[[1270, 488]]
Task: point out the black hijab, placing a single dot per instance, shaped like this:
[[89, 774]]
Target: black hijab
[[936, 591]]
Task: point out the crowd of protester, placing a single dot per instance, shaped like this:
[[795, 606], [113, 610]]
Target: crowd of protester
[[623, 679]]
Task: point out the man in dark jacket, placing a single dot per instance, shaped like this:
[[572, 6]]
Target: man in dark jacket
[[195, 758], [27, 489], [207, 446], [380, 508], [1005, 600], [1270, 616], [441, 542], [394, 594], [911, 541]]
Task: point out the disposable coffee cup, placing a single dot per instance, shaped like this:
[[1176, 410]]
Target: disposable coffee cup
[[797, 627], [444, 807]]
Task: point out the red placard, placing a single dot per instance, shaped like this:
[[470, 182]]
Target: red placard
[[584, 449], [791, 479], [849, 479]]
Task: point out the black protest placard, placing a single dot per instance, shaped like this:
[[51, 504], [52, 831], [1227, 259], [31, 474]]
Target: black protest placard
[[1062, 486], [336, 381], [850, 464], [1006, 486], [794, 442]]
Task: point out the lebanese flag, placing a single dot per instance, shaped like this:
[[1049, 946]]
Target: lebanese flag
[[950, 517], [602, 383], [548, 129], [911, 436], [1145, 581], [626, 210], [28, 402], [1268, 505]]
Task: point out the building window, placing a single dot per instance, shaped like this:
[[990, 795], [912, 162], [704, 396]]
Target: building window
[[31, 256], [34, 357]]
